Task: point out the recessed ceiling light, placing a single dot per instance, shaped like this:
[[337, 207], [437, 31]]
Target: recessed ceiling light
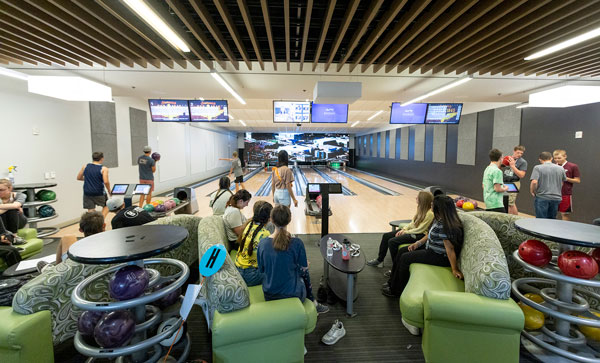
[[231, 116], [354, 124], [375, 115], [69, 88], [227, 87], [523, 105], [13, 74], [438, 90], [567, 43], [243, 123], [565, 96]]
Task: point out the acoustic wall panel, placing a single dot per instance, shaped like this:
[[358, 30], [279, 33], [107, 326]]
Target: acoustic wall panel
[[404, 137], [439, 143], [373, 145], [138, 129], [103, 127], [419, 143], [381, 142], [467, 140], [392, 154], [507, 129]]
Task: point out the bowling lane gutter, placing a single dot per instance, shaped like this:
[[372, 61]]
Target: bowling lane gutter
[[379, 188], [329, 179], [300, 181], [265, 189]]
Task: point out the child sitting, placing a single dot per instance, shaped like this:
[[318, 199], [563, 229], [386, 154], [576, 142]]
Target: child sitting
[[254, 231]]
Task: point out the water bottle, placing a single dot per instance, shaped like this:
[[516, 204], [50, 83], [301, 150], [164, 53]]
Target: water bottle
[[345, 254], [329, 247]]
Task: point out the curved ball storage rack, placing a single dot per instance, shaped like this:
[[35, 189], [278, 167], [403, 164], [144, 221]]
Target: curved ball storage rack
[[573, 345], [139, 344], [32, 204]]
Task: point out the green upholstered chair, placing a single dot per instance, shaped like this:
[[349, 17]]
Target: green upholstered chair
[[32, 247]]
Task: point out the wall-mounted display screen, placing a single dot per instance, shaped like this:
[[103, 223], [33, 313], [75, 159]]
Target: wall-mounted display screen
[[209, 111], [169, 110], [410, 114], [443, 113], [329, 113], [291, 111], [263, 147]]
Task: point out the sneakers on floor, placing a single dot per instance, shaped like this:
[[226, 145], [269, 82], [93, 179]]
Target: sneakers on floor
[[321, 309], [334, 334], [387, 273], [386, 291], [375, 263]]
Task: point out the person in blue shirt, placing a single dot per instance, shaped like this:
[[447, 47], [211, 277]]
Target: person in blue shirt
[[95, 184], [282, 261]]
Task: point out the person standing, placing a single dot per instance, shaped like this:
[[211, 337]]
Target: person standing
[[95, 184], [572, 172], [513, 173], [236, 170], [493, 188], [546, 184], [282, 179], [146, 167]]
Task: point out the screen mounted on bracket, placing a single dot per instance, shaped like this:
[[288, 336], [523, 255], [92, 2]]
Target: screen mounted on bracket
[[209, 111], [169, 110], [291, 111], [329, 113], [443, 113], [410, 114]]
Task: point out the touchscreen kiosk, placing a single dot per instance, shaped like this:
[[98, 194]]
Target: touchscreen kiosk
[[142, 189], [119, 189], [512, 188]]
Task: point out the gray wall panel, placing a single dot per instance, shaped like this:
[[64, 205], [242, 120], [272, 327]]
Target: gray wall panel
[[419, 143], [507, 129], [103, 131], [439, 143], [138, 127], [404, 142], [467, 140], [381, 139], [107, 144], [392, 154]]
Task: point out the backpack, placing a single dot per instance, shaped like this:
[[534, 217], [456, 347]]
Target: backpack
[[9, 254]]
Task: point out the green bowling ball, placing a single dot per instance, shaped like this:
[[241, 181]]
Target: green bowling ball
[[45, 195], [149, 208], [46, 211], [177, 201]]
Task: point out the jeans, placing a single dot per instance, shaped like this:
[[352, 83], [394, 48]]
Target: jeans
[[251, 275], [383, 246], [400, 271], [545, 208], [282, 196], [13, 220]]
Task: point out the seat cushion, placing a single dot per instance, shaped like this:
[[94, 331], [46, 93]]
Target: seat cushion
[[31, 248], [425, 277]]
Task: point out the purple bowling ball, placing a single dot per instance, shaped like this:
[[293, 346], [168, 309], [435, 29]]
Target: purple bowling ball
[[169, 299], [160, 208], [155, 156], [128, 282], [88, 321], [115, 329]]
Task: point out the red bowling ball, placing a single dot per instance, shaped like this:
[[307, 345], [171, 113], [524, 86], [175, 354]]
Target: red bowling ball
[[535, 252], [596, 256], [577, 264], [506, 161], [460, 203]]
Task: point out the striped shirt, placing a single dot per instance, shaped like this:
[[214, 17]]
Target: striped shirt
[[436, 237]]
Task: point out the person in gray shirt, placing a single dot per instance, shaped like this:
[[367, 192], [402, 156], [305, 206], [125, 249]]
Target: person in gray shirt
[[236, 170], [146, 168], [546, 184]]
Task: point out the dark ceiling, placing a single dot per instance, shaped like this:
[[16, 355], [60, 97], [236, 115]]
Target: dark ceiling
[[489, 36]]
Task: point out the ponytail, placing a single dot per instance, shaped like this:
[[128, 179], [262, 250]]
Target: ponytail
[[281, 217], [281, 241], [262, 212]]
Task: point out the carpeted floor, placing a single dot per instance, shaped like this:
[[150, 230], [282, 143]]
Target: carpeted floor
[[376, 334]]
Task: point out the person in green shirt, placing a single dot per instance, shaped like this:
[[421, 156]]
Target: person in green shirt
[[493, 187]]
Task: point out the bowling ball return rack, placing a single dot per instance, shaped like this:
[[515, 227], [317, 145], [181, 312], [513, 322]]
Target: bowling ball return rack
[[130, 246], [32, 204]]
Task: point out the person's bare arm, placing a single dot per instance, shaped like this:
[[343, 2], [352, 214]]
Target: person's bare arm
[[64, 245], [576, 180], [452, 258], [80, 174], [238, 230], [291, 191], [513, 165], [500, 188], [419, 243], [533, 186], [105, 178], [226, 159]]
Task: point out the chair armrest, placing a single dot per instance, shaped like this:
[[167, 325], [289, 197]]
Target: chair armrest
[[261, 319], [25, 338], [468, 308]]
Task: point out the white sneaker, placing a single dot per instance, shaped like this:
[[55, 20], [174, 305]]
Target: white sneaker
[[334, 334]]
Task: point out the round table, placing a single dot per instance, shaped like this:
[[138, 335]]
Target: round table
[[397, 223], [560, 302], [126, 246], [350, 268]]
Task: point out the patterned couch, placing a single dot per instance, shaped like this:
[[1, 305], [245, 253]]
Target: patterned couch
[[278, 327], [474, 320], [44, 303]]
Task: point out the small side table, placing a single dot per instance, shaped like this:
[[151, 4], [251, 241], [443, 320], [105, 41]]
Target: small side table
[[397, 223]]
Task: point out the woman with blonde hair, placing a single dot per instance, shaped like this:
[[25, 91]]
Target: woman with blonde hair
[[11, 207]]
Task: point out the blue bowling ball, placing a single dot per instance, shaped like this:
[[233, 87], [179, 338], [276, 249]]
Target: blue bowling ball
[[128, 282], [115, 329]]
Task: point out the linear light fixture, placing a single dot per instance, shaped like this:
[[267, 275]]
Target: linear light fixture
[[69, 88], [150, 17], [354, 124], [243, 123], [439, 90], [567, 43], [375, 115], [565, 96], [225, 85], [231, 116], [14, 74], [523, 105]]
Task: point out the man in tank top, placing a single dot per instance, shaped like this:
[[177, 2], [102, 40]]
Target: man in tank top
[[95, 184]]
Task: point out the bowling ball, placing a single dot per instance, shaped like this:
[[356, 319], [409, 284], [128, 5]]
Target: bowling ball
[[577, 264], [474, 203], [88, 321], [534, 319], [534, 297], [46, 211], [460, 203], [149, 208], [535, 252], [589, 331], [596, 255], [155, 203], [177, 201], [160, 208], [506, 161], [45, 195], [155, 156], [169, 299], [115, 329], [468, 206], [128, 282], [159, 201], [170, 204]]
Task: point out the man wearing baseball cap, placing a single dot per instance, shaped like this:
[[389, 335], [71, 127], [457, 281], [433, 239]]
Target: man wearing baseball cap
[[127, 216], [146, 167]]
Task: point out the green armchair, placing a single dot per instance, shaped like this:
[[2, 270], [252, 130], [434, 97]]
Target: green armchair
[[32, 246]]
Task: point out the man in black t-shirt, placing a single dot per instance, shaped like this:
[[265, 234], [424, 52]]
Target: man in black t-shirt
[[127, 217]]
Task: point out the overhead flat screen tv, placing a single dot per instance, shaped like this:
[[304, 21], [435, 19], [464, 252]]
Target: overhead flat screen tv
[[443, 113], [329, 113], [209, 111], [291, 111], [169, 110], [410, 114]]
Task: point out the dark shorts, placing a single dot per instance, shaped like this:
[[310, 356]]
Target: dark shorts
[[565, 205], [91, 201], [151, 182], [239, 179]]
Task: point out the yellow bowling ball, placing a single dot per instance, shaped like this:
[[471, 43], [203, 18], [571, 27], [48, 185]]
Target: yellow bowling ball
[[534, 319], [468, 206], [589, 331], [534, 297]]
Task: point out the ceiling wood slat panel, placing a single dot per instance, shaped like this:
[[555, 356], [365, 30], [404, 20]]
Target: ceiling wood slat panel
[[350, 10], [324, 29], [309, 7], [286, 24], [265, 11], [237, 39], [17, 43], [15, 47], [23, 56], [251, 32]]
